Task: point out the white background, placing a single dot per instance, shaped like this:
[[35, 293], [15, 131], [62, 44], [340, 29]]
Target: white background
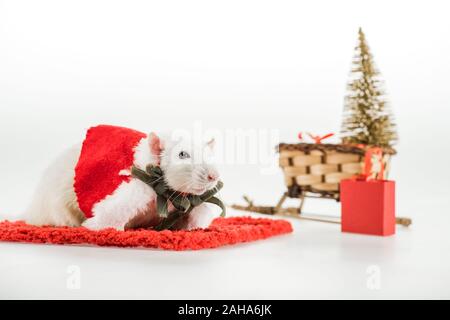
[[281, 65]]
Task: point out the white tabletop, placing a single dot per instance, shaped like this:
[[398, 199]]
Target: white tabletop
[[315, 261]]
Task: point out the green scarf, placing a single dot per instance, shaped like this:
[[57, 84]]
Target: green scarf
[[153, 176]]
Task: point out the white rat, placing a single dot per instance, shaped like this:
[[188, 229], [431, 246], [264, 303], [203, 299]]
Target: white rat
[[188, 167]]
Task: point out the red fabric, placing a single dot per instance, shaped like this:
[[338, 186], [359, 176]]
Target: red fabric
[[106, 151], [368, 207], [223, 231]]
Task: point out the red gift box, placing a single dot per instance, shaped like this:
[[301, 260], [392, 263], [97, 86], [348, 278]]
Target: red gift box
[[368, 206]]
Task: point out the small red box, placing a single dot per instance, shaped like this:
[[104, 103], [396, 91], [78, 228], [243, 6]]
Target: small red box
[[368, 206]]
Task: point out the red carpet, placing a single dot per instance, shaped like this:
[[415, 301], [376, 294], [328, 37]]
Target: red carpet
[[223, 231]]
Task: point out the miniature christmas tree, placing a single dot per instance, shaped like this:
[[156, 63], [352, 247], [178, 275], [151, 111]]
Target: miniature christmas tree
[[367, 118]]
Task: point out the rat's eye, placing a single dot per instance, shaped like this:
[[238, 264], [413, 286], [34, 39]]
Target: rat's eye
[[184, 155]]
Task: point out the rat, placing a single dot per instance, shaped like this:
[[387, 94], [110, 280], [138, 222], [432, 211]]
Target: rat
[[90, 184]]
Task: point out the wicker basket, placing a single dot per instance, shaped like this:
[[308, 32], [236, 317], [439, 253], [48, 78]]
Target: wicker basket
[[319, 168]]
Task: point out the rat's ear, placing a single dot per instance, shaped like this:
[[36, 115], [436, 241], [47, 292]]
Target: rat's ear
[[211, 143], [155, 144]]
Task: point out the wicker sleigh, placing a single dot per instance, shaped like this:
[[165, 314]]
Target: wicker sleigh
[[315, 170]]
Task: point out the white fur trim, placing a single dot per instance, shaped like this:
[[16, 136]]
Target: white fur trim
[[125, 172], [117, 209]]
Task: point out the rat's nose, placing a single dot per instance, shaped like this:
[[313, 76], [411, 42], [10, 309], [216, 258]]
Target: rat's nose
[[212, 176]]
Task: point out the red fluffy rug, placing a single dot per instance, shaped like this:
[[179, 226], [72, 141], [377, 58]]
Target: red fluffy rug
[[223, 231]]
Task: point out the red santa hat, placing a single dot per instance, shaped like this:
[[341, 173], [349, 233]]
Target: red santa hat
[[106, 151]]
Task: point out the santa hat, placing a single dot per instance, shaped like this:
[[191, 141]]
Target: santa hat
[[106, 151]]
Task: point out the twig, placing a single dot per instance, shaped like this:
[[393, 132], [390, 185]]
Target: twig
[[293, 212]]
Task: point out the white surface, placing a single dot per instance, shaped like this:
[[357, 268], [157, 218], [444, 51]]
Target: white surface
[[255, 65], [316, 261]]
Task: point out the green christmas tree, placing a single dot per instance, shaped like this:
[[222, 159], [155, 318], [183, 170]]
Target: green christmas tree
[[367, 117]]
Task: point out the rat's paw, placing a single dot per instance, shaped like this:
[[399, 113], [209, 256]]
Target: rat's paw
[[201, 217]]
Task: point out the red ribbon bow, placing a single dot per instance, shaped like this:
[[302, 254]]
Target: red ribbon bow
[[374, 165], [317, 139]]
